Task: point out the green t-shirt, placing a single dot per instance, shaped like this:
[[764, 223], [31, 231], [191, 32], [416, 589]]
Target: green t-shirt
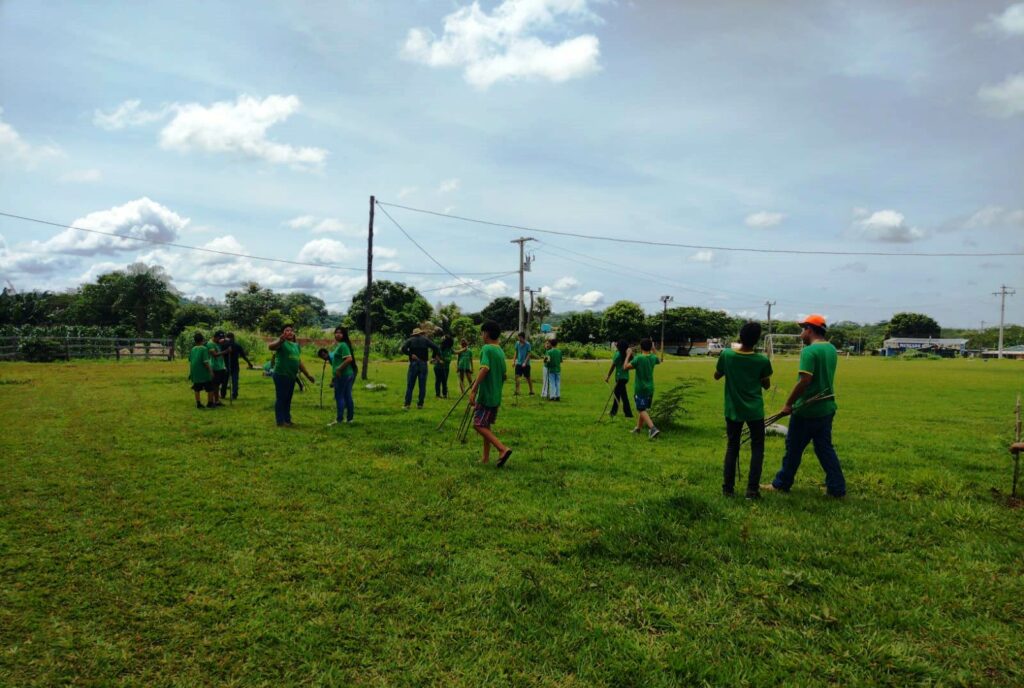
[[743, 372], [619, 360], [554, 360], [198, 373], [489, 392], [446, 355], [818, 359], [217, 362], [466, 359], [287, 361], [338, 356], [643, 383]]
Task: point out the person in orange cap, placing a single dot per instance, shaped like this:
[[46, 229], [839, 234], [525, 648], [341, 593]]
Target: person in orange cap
[[813, 407]]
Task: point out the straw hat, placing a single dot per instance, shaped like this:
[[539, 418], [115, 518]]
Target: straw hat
[[416, 331]]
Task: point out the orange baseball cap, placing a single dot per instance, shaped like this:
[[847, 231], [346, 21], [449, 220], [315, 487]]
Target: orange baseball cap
[[814, 319]]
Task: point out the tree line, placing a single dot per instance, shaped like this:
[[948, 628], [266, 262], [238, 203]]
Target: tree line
[[142, 301]]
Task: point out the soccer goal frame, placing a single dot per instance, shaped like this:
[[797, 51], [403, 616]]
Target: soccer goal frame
[[782, 343]]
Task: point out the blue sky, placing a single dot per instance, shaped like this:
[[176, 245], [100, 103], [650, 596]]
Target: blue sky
[[263, 128]]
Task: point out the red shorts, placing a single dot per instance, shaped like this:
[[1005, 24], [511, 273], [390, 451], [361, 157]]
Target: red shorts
[[484, 416]]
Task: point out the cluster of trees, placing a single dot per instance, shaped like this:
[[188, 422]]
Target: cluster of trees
[[142, 301]]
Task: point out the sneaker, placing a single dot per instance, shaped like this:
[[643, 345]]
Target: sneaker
[[634, 431], [531, 394], [419, 407], [332, 423], [199, 405], [405, 408], [654, 432], [752, 494], [771, 488]]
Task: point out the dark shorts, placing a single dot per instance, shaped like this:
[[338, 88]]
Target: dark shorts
[[642, 403], [484, 416], [203, 386], [523, 370], [220, 377]]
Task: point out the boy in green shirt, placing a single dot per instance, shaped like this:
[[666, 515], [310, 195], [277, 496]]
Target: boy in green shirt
[[621, 380], [485, 394], [200, 374], [812, 420], [218, 366], [746, 373], [643, 384], [553, 363], [464, 366]]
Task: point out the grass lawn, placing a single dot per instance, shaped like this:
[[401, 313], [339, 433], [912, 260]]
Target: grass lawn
[[144, 542]]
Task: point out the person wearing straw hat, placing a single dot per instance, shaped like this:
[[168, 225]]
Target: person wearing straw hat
[[813, 407], [418, 348]]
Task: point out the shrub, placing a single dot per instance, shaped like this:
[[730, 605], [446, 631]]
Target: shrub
[[41, 349], [669, 406]]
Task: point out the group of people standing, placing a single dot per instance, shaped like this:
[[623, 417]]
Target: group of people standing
[[811, 403]]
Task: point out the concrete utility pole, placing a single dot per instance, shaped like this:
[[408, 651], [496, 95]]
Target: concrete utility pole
[[1003, 292], [768, 340], [369, 287], [522, 266], [664, 316], [529, 314]]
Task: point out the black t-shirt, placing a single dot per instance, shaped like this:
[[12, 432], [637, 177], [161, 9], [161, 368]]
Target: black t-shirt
[[234, 351], [419, 346]]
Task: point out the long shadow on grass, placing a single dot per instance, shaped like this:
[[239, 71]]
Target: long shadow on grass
[[663, 532]]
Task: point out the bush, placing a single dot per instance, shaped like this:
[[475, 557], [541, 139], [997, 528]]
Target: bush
[[671, 405], [912, 355], [41, 349]]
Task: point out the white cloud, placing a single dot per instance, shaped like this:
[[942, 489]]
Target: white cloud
[[326, 251], [885, 225], [225, 243], [589, 299], [995, 216], [448, 185], [325, 225], [1011, 21], [565, 283], [16, 149], [127, 114], [141, 219], [1004, 99], [764, 219], [704, 256], [406, 191], [239, 128], [468, 287], [504, 44], [81, 176]]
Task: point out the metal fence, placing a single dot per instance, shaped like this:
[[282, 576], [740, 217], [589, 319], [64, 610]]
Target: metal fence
[[67, 348]]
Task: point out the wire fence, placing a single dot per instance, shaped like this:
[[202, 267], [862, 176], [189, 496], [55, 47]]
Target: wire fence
[[41, 348]]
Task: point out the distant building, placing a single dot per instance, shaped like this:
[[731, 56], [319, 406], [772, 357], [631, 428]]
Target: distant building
[[1016, 351], [895, 346]]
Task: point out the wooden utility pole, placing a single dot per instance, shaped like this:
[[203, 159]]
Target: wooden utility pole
[[522, 266], [1004, 291], [768, 340], [664, 316], [368, 301], [529, 314]]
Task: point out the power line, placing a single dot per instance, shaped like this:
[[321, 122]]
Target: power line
[[645, 242], [427, 253], [329, 266], [479, 281]]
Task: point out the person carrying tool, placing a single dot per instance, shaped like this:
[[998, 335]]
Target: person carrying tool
[[812, 422], [418, 348]]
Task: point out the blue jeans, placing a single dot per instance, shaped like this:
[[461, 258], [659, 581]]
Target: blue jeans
[[284, 386], [554, 385], [343, 396], [417, 372], [802, 431]]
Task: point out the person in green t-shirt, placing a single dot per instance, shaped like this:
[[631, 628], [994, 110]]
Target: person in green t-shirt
[[200, 372], [746, 373], [464, 366], [553, 366], [218, 366], [813, 407], [620, 393], [287, 366], [343, 374], [643, 384], [485, 394], [442, 367]]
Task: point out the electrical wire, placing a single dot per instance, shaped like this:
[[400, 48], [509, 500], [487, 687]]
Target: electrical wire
[[329, 266], [427, 254], [646, 242]]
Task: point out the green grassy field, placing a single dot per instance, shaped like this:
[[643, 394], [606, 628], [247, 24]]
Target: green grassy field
[[144, 542]]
